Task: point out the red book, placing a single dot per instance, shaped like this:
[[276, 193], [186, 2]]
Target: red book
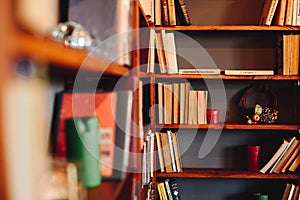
[[102, 105]]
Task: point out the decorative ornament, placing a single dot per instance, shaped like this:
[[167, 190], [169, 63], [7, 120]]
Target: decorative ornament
[[265, 111]]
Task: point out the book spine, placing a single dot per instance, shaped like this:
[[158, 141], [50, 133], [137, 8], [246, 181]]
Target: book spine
[[271, 12], [165, 13], [185, 12]]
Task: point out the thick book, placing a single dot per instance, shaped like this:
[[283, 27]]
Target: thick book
[[193, 110], [161, 53], [286, 156], [165, 12], [295, 164], [271, 12], [281, 11], [202, 106], [166, 152], [162, 191], [291, 141], [182, 13], [172, 13], [151, 52], [177, 152], [176, 98], [239, 72], [275, 157], [265, 10], [160, 152], [291, 159], [170, 51], [168, 105], [182, 102], [160, 99], [172, 152]]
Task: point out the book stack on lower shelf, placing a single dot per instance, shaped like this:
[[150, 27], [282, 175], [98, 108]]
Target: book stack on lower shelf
[[168, 152], [286, 158], [178, 104], [168, 190], [291, 192]]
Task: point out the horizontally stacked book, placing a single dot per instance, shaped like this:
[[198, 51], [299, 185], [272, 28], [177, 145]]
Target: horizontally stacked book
[[168, 152], [178, 104], [168, 190], [280, 12], [286, 158], [166, 12]]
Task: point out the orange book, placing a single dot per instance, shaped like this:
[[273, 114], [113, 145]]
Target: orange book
[[102, 105]]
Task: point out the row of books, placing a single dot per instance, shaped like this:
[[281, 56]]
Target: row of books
[[164, 43], [168, 152], [166, 12], [178, 104], [168, 190], [286, 158], [280, 12], [290, 54], [148, 158], [291, 192]]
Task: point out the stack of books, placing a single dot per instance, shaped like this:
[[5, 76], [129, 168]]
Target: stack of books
[[166, 12], [164, 43], [168, 152], [168, 190], [177, 104], [280, 12], [285, 159], [148, 158], [291, 192]]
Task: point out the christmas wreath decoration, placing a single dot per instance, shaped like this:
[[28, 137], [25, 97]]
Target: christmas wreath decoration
[[258, 105]]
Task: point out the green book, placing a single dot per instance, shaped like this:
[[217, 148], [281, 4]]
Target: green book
[[82, 141]]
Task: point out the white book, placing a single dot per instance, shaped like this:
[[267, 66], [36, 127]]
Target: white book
[[282, 154], [199, 71], [248, 72], [202, 106], [170, 51], [151, 52]]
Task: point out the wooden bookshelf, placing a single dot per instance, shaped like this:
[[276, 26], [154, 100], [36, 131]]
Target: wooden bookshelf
[[225, 174], [223, 77], [228, 28], [231, 126], [217, 35], [73, 59]]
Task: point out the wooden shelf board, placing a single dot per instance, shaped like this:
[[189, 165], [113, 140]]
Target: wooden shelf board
[[68, 58], [231, 126], [225, 173], [223, 77], [228, 28]]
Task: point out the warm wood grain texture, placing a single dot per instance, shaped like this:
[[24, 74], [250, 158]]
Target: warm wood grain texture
[[285, 127], [225, 173], [224, 77], [228, 28], [69, 58]]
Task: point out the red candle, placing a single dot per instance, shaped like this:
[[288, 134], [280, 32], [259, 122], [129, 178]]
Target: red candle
[[212, 116]]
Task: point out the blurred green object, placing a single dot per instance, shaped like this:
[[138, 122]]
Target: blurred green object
[[82, 140]]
